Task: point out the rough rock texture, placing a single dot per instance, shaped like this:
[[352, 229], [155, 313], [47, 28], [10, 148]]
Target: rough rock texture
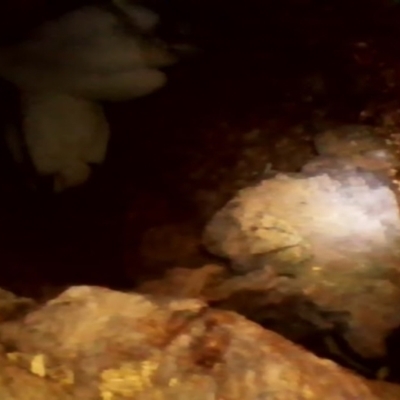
[[94, 343], [332, 234]]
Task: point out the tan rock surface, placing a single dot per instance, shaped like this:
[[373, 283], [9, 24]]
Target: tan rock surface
[[335, 235], [94, 343]]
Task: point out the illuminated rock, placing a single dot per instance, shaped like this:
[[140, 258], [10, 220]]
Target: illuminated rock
[[96, 343], [334, 236]]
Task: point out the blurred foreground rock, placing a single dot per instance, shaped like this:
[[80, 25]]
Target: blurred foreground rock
[[320, 246], [94, 343]]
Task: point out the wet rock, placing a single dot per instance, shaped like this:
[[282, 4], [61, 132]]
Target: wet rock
[[96, 343], [332, 238]]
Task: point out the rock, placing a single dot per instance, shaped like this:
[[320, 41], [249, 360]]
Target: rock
[[89, 53], [12, 306], [348, 140], [333, 242], [63, 66], [259, 295], [96, 343], [63, 136], [354, 147], [380, 161]]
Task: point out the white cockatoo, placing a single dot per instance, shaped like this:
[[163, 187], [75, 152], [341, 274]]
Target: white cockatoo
[[64, 68]]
